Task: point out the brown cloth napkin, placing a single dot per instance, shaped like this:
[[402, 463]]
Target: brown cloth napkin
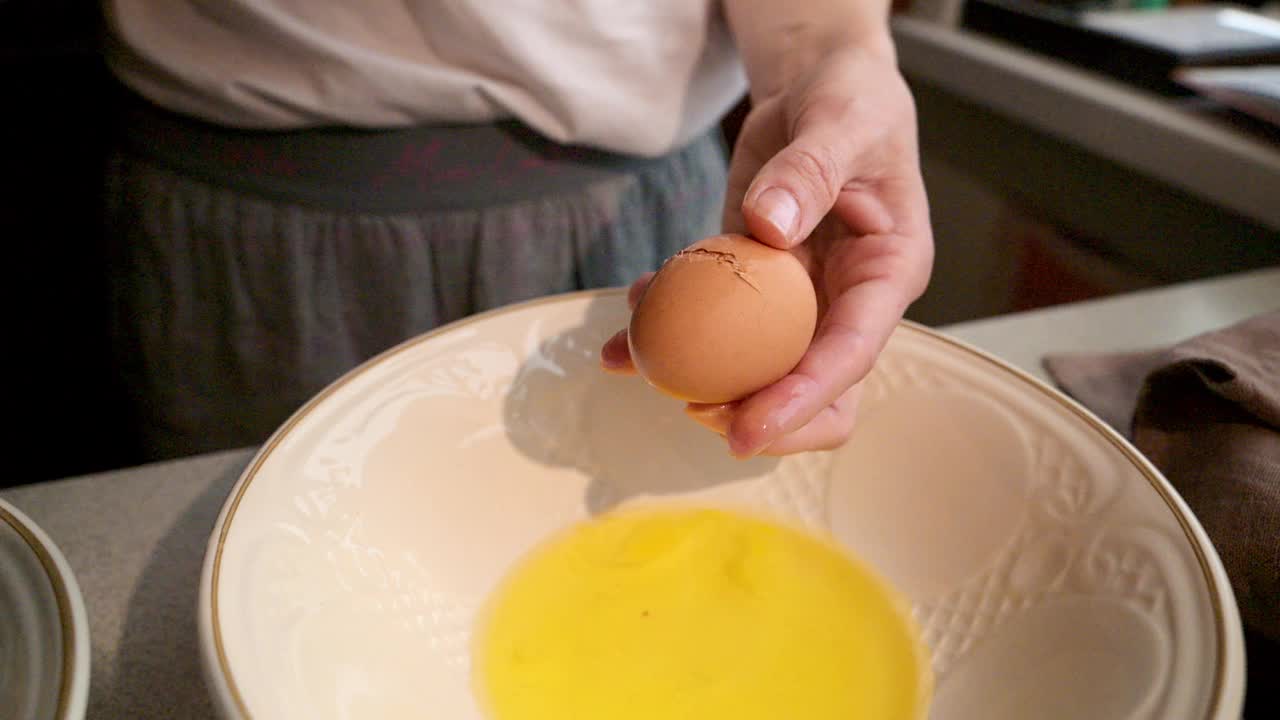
[[1206, 412]]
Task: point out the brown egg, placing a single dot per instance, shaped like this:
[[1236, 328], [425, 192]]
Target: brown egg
[[722, 319]]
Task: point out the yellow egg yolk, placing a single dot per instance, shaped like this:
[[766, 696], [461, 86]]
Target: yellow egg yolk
[[696, 613]]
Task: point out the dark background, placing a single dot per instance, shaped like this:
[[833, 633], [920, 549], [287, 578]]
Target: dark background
[[62, 398]]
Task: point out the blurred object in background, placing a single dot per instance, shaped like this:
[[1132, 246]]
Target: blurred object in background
[[1254, 90], [1053, 265], [944, 12], [1140, 42], [1049, 183]]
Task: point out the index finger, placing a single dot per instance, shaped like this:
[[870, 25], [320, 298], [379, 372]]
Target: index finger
[[849, 338]]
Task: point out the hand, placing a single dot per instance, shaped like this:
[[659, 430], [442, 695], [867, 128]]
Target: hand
[[828, 169]]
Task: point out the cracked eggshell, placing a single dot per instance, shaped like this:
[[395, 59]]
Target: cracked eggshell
[[723, 318]]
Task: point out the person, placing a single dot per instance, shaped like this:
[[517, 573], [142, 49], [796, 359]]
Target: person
[[298, 186], [827, 166]]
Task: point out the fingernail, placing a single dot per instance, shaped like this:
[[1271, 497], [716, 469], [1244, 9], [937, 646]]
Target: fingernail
[[713, 417], [780, 208]]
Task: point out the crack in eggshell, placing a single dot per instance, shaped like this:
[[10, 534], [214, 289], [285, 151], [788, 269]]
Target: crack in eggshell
[[726, 258]]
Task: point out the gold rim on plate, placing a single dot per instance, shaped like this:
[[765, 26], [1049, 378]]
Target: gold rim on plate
[[1154, 479], [62, 595]]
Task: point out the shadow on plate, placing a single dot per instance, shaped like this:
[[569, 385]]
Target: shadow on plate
[[562, 410]]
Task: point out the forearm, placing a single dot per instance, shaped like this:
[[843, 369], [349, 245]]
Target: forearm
[[780, 39]]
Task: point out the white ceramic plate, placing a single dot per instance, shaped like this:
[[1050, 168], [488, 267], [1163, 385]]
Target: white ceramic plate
[[1054, 572], [44, 630]]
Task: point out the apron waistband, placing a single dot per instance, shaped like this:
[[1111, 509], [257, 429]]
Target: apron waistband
[[395, 170]]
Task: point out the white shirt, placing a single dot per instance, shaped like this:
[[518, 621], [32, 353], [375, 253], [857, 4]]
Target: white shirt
[[631, 76]]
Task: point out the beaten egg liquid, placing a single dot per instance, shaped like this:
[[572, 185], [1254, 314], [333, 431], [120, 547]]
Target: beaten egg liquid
[[703, 614]]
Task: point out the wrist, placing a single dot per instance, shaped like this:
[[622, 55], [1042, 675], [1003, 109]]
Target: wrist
[[799, 50]]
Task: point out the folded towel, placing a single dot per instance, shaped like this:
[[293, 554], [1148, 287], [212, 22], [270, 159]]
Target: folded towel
[[1206, 412]]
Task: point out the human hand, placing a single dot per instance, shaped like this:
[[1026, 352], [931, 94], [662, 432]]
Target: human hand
[[828, 168]]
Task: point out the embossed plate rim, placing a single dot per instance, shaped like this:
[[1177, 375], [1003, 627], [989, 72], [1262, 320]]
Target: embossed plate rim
[[1228, 665], [1228, 631]]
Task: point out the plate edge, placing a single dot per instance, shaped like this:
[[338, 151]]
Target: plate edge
[[1227, 625], [217, 668], [72, 616]]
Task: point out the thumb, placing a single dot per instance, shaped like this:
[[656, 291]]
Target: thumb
[[797, 187]]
